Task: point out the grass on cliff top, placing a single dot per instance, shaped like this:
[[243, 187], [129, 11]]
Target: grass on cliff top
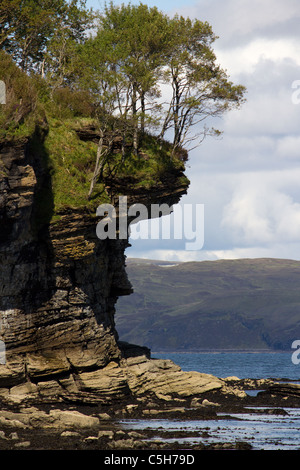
[[30, 105], [70, 162]]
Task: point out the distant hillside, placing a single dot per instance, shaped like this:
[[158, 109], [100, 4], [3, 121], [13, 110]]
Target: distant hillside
[[230, 304]]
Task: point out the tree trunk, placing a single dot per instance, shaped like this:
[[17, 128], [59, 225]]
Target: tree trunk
[[99, 164], [143, 112], [135, 122], [176, 113], [123, 147]]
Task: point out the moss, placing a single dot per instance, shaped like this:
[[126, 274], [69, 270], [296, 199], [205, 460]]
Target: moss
[[153, 162], [78, 249]]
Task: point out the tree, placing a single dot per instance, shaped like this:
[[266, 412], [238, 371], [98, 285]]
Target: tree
[[8, 19], [28, 26], [137, 38], [200, 88], [98, 76], [60, 59], [135, 51], [119, 67]]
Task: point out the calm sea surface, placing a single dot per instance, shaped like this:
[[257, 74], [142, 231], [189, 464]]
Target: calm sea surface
[[263, 431], [243, 365]]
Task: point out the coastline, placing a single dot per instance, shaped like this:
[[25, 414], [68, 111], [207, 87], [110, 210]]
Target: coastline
[[219, 351], [147, 423]]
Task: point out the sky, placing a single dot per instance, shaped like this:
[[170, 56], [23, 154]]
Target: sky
[[247, 181]]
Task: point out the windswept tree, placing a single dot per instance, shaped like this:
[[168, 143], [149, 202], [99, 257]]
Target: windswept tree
[[200, 88], [137, 36], [59, 65], [136, 54], [98, 76], [148, 49]]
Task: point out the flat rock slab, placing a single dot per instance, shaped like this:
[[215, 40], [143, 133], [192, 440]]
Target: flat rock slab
[[56, 419]]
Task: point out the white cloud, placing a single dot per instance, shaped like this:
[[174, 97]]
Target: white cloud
[[283, 251], [244, 59], [249, 180], [238, 21], [262, 212], [246, 16], [173, 255], [288, 147]]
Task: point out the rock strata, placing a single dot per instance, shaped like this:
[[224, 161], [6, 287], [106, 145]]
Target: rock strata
[[58, 287], [65, 377]]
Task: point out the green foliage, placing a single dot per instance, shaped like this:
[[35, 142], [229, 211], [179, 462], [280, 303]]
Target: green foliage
[[19, 115], [114, 79], [30, 29], [200, 88], [71, 164], [137, 38], [135, 51], [69, 103], [61, 57]]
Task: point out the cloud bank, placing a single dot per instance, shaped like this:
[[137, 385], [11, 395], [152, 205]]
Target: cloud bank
[[249, 179]]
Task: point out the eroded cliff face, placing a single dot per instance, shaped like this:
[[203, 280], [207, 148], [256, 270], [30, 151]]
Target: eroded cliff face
[[59, 286]]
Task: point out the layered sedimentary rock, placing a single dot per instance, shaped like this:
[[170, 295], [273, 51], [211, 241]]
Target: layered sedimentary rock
[[58, 284], [58, 287]]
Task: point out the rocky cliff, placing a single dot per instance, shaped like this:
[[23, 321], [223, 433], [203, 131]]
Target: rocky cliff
[[59, 286]]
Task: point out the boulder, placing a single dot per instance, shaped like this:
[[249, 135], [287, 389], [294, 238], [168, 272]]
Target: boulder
[[105, 434], [62, 420], [163, 377], [285, 389]]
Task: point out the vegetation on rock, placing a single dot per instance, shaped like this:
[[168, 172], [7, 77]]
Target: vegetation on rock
[[72, 72]]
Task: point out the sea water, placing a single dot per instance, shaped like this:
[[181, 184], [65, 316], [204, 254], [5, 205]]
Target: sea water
[[244, 365], [262, 430]]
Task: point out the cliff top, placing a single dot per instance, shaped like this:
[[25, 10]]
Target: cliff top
[[64, 136]]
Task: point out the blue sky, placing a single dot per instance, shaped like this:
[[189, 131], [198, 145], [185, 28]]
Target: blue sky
[[248, 181]]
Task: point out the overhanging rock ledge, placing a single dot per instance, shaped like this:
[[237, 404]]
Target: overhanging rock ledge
[[58, 288]]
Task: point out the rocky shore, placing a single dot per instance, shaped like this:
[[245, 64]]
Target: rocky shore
[[66, 381], [69, 422]]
